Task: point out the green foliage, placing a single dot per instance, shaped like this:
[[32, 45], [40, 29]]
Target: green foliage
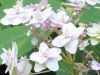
[[91, 15], [16, 34], [65, 69]]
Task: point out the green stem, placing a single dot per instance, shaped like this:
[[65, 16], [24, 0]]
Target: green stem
[[41, 72], [98, 72]]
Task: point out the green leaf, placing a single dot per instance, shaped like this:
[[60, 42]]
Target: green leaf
[[91, 15], [96, 50], [65, 69], [55, 4], [16, 34]]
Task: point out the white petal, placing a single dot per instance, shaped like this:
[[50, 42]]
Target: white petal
[[24, 18], [94, 41], [62, 16], [38, 57], [39, 67], [91, 2], [95, 65], [77, 32], [68, 28], [14, 48], [57, 41], [72, 46], [16, 21], [47, 13], [4, 58], [52, 65], [43, 47], [5, 21], [9, 11], [59, 58], [19, 68], [28, 68], [54, 52], [65, 41], [25, 70]]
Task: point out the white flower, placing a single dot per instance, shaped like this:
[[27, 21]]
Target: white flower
[[16, 15], [94, 33], [39, 17], [83, 44], [24, 67], [46, 57], [95, 65], [58, 18], [77, 1], [92, 2], [68, 38], [9, 57], [42, 5]]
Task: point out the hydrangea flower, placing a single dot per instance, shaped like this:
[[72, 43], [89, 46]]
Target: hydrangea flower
[[39, 17], [17, 15], [68, 38], [94, 33], [46, 58], [77, 1], [59, 18], [95, 65], [9, 57], [91, 2], [23, 66]]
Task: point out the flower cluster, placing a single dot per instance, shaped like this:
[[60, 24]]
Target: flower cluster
[[69, 37], [10, 58], [91, 2], [94, 33]]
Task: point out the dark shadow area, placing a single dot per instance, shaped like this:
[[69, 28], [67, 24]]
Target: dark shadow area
[[2, 69], [49, 73]]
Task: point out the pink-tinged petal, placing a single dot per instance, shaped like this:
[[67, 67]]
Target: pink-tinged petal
[[39, 67], [52, 65], [72, 46], [77, 32], [47, 13], [38, 57], [54, 52], [57, 41], [95, 65], [43, 47]]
